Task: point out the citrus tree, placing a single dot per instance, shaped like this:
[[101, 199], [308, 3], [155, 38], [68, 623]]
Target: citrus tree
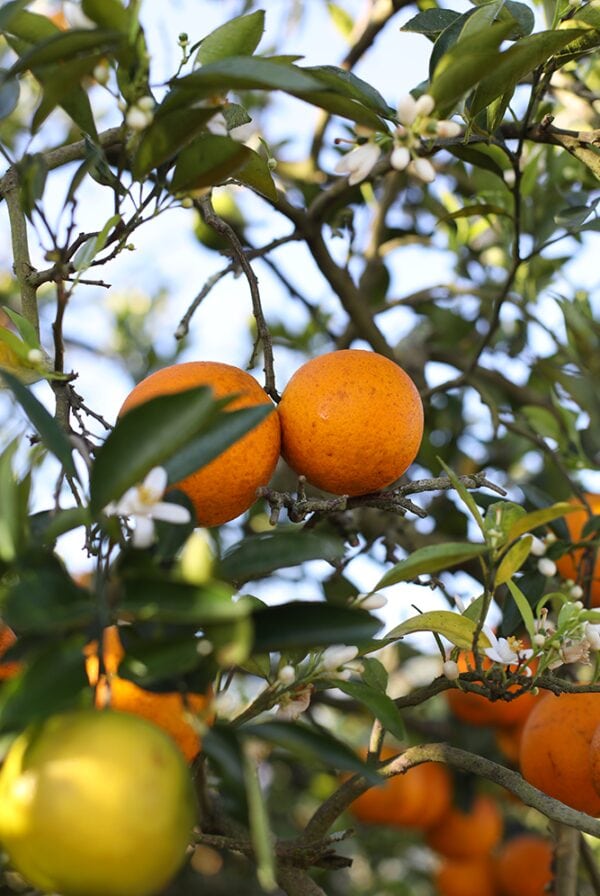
[[360, 598]]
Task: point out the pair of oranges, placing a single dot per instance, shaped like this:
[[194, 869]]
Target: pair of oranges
[[350, 421]]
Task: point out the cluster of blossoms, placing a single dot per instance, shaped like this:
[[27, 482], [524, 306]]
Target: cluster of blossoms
[[337, 662], [140, 114], [416, 124]]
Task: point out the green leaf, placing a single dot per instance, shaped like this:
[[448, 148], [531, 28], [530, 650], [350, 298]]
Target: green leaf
[[27, 26], [14, 496], [46, 599], [9, 94], [25, 328], [46, 426], [257, 175], [374, 673], [574, 216], [166, 136], [61, 87], [208, 160], [156, 598], [67, 46], [513, 560], [95, 244], [54, 680], [464, 493], [302, 625], [340, 18], [465, 64], [218, 434], [349, 85], [524, 608], [478, 159], [523, 16], [48, 525], [517, 62], [256, 556], [430, 559], [458, 629], [107, 14], [157, 663], [235, 115], [237, 37], [312, 744], [469, 211], [244, 73], [146, 437], [431, 22], [539, 518], [260, 830], [382, 706], [343, 106]]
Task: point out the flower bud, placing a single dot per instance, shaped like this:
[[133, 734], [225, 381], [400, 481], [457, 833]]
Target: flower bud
[[423, 169], [286, 675], [547, 567], [425, 104], [337, 656], [137, 119], [373, 601], [400, 158], [576, 592], [539, 640], [407, 110], [35, 356], [448, 129], [146, 103], [450, 670], [101, 73], [538, 547]]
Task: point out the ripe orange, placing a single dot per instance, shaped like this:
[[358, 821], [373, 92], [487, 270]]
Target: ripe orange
[[571, 566], [595, 759], [523, 866], [171, 711], [465, 877], [508, 741], [555, 749], [418, 798], [227, 486], [479, 710], [7, 639], [351, 422], [468, 834]]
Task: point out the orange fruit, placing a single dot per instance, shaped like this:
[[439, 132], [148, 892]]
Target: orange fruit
[[523, 866], [508, 741], [595, 759], [418, 798], [479, 710], [226, 487], [468, 834], [555, 749], [171, 711], [571, 565], [7, 639], [351, 422], [465, 877]]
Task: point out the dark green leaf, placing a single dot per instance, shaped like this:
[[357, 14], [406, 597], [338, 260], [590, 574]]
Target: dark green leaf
[[66, 46], [54, 680], [237, 37], [430, 559], [46, 426], [9, 94], [374, 673], [478, 159], [447, 39], [235, 115], [48, 525], [166, 136], [343, 106], [469, 60], [522, 15], [258, 555], [157, 664], [159, 599], [431, 21], [247, 73], [13, 507], [257, 175], [382, 706], [27, 26], [217, 435], [221, 744], [313, 744], [573, 217], [517, 62], [470, 211], [61, 87], [208, 160], [46, 599], [260, 830], [146, 437], [348, 84], [305, 624], [32, 180], [107, 14]]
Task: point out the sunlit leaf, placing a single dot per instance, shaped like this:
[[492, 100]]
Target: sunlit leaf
[[458, 629], [430, 559]]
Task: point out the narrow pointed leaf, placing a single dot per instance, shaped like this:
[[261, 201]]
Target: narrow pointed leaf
[[523, 607], [382, 706], [456, 628], [259, 555], [540, 517], [430, 559], [513, 560]]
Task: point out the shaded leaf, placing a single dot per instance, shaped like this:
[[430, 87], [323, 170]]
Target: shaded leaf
[[247, 73], [259, 555], [107, 14], [46, 426], [45, 598], [311, 743], [456, 628], [431, 22], [430, 559], [477, 159], [469, 211], [260, 830], [379, 704], [66, 46], [208, 160], [157, 598], [306, 624], [48, 525], [166, 136], [237, 37], [348, 84], [343, 106], [9, 94], [255, 173]]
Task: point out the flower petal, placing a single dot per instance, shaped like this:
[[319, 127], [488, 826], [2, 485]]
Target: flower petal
[[156, 481], [143, 534], [170, 513]]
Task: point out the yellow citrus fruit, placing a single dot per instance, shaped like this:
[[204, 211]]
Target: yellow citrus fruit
[[571, 565], [170, 710], [523, 866], [226, 487], [554, 754], [418, 798], [465, 877], [96, 804], [468, 834], [351, 422]]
